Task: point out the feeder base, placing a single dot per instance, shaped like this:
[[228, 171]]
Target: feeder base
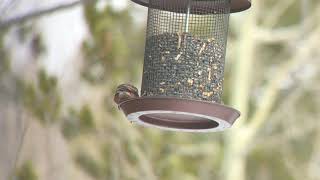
[[179, 114]]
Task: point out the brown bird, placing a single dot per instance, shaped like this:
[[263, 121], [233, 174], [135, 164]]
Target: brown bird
[[125, 92]]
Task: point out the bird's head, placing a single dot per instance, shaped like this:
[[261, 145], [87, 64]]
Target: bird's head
[[125, 92]]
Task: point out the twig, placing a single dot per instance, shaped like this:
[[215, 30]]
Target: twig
[[25, 128], [243, 66], [17, 157], [265, 35], [272, 89], [7, 6], [40, 12], [277, 12]]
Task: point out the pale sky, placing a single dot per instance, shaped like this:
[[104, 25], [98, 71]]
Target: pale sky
[[65, 31]]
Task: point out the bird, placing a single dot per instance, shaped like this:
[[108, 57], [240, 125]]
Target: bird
[[124, 93]]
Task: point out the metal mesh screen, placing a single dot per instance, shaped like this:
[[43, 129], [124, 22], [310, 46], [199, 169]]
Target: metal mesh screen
[[185, 49]]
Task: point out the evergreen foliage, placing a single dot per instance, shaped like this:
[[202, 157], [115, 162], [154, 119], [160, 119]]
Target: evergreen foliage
[[4, 61], [43, 98], [107, 51], [78, 122], [91, 166]]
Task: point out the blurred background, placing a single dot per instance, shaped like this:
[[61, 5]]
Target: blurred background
[[61, 60]]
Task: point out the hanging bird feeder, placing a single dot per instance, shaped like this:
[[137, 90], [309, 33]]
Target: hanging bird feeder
[[183, 66]]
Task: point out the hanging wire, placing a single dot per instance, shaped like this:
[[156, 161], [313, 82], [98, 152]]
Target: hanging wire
[[187, 17]]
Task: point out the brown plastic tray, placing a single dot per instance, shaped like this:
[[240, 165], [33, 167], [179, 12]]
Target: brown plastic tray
[[179, 114]]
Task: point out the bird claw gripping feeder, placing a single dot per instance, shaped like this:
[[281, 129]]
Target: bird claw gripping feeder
[[183, 67]]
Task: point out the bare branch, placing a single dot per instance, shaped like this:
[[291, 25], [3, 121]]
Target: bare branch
[[277, 12], [287, 34], [273, 88], [21, 143], [291, 33], [6, 6], [41, 12], [242, 67]]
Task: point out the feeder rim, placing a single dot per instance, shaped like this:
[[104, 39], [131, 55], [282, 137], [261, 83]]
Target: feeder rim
[[176, 98], [178, 114], [236, 5]]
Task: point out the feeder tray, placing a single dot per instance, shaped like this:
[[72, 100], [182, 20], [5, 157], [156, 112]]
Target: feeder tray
[[179, 114], [183, 70]]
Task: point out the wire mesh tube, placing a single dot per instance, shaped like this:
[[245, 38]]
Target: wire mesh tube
[[185, 49]]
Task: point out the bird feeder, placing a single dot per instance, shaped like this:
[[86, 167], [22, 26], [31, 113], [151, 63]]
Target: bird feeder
[[183, 70]]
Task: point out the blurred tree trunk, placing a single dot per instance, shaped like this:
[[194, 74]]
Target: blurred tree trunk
[[13, 125], [235, 154], [239, 138]]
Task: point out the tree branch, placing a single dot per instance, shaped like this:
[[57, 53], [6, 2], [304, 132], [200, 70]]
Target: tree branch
[[6, 6], [291, 33], [277, 12], [233, 166], [272, 89], [40, 12], [243, 65], [287, 34]]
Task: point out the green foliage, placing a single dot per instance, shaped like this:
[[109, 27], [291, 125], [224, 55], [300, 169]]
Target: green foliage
[[24, 31], [291, 17], [77, 123], [5, 63], [91, 166], [106, 153], [46, 83], [132, 156], [96, 168], [309, 105], [4, 57], [86, 118], [27, 32], [43, 99], [108, 50], [37, 45], [301, 148], [26, 172], [70, 125], [268, 164]]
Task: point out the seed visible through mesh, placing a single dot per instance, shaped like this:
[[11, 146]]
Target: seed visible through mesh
[[183, 65]]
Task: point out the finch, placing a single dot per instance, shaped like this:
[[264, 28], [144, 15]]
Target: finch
[[125, 92]]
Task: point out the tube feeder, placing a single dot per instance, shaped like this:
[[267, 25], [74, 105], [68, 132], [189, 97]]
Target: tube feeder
[[183, 69]]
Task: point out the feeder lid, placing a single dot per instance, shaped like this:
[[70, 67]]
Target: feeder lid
[[178, 114], [200, 8]]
